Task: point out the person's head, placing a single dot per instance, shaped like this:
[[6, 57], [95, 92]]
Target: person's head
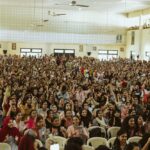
[[13, 108], [54, 108], [68, 114], [117, 114], [39, 122], [99, 114], [122, 136], [76, 120], [33, 114], [28, 99], [35, 91], [129, 122], [67, 106], [55, 121], [84, 113], [44, 105], [8, 122], [85, 105], [74, 143], [139, 120], [63, 88], [49, 114], [102, 147], [41, 90], [112, 105], [18, 116], [132, 146]]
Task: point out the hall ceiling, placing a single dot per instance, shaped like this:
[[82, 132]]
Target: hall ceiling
[[102, 16]]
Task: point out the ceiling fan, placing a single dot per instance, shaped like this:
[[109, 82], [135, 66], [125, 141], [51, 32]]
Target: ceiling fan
[[74, 3], [41, 22], [51, 13]]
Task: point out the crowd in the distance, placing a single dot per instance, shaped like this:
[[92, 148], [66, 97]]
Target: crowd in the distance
[[65, 96]]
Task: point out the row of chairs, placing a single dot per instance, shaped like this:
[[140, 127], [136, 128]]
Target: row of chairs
[[92, 143], [5, 146], [96, 141], [111, 132]]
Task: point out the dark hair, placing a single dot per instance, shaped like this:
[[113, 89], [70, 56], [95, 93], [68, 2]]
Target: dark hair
[[131, 146], [121, 131], [32, 111], [74, 143], [102, 147], [125, 123], [54, 117], [144, 139], [97, 112], [48, 112], [44, 102], [66, 104], [42, 148], [117, 141], [39, 118]]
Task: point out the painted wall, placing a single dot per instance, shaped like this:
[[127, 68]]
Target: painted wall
[[28, 36], [48, 48], [145, 43]]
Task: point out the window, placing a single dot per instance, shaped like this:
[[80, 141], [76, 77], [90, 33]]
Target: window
[[35, 52], [66, 52], [69, 51], [107, 54], [26, 50]]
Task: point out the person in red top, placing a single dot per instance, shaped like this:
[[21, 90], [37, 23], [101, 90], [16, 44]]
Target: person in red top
[[9, 131]]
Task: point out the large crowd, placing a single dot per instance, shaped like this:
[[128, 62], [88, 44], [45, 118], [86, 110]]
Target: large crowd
[[65, 96]]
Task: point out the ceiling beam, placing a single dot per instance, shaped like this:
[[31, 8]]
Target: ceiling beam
[[137, 13]]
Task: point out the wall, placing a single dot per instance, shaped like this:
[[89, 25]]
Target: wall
[[48, 48], [144, 39], [28, 36]]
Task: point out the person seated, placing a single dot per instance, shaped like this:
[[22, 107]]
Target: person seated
[[28, 141], [132, 146], [102, 147], [9, 133], [77, 130], [74, 143], [57, 129], [120, 142]]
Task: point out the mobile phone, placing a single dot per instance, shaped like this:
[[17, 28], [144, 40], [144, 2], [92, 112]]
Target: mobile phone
[[54, 147]]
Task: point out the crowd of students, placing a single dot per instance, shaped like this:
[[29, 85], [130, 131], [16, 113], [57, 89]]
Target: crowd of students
[[65, 96]]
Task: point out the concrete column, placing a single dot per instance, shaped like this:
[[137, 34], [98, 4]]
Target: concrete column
[[140, 50]]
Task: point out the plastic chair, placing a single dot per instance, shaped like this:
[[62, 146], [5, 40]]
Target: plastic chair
[[102, 129], [96, 141], [87, 147], [5, 146], [56, 139], [112, 131], [110, 142], [135, 139], [39, 142]]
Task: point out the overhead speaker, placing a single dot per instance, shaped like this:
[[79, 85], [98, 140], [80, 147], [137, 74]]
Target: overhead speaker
[[4, 51], [89, 53]]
